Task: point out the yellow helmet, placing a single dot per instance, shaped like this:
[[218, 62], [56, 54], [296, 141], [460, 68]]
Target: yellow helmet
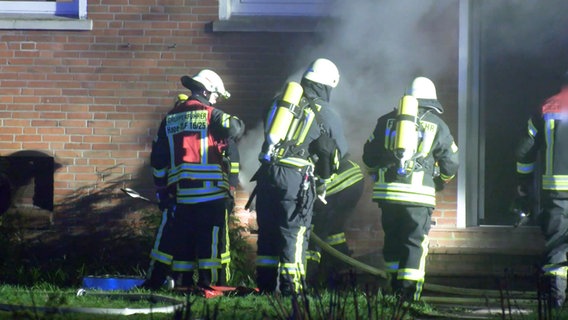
[[323, 71]]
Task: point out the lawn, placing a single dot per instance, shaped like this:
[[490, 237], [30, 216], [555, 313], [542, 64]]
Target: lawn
[[42, 269], [49, 302]]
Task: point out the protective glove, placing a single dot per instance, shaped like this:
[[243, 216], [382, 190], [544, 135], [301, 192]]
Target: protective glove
[[523, 190], [230, 200], [439, 184], [321, 190], [165, 200]]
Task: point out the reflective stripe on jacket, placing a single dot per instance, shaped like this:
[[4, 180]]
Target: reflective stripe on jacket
[[186, 153], [544, 137], [435, 146]]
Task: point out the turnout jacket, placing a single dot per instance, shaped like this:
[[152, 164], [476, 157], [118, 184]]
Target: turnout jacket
[[187, 152], [436, 147], [347, 175], [546, 136]]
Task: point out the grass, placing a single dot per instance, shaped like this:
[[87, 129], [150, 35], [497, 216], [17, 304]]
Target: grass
[[116, 241], [352, 304]]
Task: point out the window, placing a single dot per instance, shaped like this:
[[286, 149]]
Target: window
[[514, 65], [44, 15], [230, 8], [270, 15]]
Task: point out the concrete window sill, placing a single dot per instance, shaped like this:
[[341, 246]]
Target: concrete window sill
[[269, 24], [11, 21]]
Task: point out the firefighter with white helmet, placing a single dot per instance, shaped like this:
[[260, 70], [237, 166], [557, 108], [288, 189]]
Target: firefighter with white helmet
[[191, 178], [208, 84], [303, 139], [323, 71], [403, 152]]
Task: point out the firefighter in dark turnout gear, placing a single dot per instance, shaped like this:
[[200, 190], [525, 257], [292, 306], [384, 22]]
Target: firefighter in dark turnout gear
[[285, 186], [405, 182], [542, 153], [192, 185], [231, 165], [342, 193]]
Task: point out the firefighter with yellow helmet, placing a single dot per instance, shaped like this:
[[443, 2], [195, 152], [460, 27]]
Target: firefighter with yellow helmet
[[192, 185], [403, 153], [303, 138]]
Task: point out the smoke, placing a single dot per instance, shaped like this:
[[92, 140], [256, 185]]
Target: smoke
[[379, 47], [251, 143], [525, 28]]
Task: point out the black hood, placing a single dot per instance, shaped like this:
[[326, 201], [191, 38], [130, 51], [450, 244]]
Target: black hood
[[431, 104], [313, 90]]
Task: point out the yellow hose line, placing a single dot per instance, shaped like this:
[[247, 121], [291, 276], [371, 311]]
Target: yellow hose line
[[427, 286], [347, 259]]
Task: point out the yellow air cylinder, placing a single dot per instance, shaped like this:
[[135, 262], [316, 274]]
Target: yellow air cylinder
[[287, 112], [406, 139]]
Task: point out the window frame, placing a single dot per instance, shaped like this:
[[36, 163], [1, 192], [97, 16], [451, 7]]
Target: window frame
[[292, 8], [271, 15], [45, 15]]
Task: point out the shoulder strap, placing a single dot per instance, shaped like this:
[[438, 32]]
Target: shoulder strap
[[318, 118]]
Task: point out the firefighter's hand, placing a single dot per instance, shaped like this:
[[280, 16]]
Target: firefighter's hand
[[165, 200], [439, 184], [230, 200], [321, 190], [522, 190]]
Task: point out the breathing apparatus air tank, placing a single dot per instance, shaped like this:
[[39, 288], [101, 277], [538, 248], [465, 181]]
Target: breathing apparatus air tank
[[286, 118], [406, 137]]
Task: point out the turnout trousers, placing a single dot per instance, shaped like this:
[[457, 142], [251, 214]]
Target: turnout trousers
[[194, 237], [284, 213], [554, 226], [328, 223], [405, 248]]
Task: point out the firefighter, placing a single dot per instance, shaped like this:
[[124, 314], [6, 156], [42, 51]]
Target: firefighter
[[192, 184], [342, 193], [301, 134], [542, 150], [231, 166], [402, 153]]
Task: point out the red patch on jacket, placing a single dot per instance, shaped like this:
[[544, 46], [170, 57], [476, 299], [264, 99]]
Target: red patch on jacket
[[557, 103]]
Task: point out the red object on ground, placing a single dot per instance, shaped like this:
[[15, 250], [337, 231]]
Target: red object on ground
[[208, 293]]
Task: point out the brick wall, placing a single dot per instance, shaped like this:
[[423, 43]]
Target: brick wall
[[93, 99]]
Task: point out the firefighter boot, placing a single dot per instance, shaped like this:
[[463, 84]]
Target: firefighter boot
[[186, 279], [286, 285], [156, 276], [410, 290], [557, 291], [204, 280], [290, 284], [266, 279], [312, 272]]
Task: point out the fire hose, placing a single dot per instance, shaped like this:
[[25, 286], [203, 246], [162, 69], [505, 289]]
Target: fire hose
[[382, 273], [171, 305], [430, 287]]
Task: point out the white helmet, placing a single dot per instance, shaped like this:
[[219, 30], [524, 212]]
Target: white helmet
[[208, 80], [323, 71], [424, 90]]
